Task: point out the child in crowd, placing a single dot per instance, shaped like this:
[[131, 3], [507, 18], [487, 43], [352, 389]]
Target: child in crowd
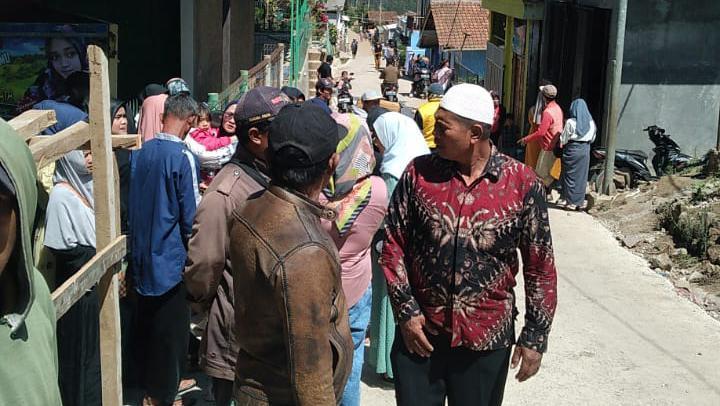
[[206, 134], [208, 137]]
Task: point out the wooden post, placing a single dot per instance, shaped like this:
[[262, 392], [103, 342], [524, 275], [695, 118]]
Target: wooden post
[[107, 223], [280, 66], [268, 70]]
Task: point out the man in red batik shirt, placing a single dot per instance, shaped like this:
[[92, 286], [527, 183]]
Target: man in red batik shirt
[[455, 224]]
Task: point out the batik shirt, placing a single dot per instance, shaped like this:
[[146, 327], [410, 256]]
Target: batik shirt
[[451, 252]]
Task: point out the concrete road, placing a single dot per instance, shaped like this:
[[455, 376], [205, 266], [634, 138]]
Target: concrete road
[[367, 78], [622, 335]]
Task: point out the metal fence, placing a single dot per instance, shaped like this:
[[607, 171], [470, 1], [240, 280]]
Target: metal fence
[[463, 74], [268, 72], [301, 29]]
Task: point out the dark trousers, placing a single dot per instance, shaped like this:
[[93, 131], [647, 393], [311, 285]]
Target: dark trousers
[[463, 376], [78, 336], [164, 324], [222, 391]]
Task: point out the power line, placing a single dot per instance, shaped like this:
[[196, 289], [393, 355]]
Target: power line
[[452, 26]]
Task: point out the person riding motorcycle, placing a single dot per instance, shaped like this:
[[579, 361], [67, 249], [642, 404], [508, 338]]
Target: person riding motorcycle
[[390, 76], [344, 85], [421, 64]]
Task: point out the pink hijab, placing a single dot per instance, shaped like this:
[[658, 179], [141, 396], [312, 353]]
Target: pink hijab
[[151, 116]]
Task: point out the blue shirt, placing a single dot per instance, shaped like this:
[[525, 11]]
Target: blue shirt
[[164, 195]]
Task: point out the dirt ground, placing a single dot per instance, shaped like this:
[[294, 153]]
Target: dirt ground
[[633, 217]]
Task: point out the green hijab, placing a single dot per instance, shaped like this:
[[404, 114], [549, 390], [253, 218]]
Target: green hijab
[[17, 161]]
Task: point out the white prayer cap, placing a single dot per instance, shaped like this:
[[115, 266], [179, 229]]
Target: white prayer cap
[[371, 95], [470, 101]]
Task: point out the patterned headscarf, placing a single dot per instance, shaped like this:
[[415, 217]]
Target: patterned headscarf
[[350, 186]]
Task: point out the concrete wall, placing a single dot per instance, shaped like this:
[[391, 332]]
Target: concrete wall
[[671, 73]]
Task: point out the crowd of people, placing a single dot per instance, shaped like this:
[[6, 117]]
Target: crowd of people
[[283, 234]]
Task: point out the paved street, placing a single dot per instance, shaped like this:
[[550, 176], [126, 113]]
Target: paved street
[[622, 336]]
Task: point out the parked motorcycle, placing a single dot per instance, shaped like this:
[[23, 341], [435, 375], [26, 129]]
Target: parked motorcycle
[[630, 164], [389, 92], [668, 155]]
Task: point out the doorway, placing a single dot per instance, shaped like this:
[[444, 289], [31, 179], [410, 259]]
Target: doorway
[[576, 61]]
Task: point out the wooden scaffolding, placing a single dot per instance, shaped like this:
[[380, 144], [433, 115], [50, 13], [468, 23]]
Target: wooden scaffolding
[[102, 269]]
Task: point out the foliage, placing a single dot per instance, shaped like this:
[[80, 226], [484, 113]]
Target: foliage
[[333, 34], [267, 13], [690, 228]]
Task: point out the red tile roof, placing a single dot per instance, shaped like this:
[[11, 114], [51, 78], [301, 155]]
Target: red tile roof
[[387, 16], [452, 19]]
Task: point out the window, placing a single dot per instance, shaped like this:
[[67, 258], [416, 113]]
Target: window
[[497, 27]]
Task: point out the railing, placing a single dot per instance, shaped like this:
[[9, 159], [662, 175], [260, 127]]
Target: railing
[[463, 74], [268, 72], [301, 29]]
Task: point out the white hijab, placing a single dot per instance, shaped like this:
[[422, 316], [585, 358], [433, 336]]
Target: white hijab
[[402, 140], [70, 219]]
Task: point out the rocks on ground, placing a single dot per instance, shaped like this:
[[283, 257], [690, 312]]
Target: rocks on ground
[[675, 224]]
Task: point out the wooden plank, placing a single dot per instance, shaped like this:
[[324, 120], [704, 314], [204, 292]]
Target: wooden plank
[[88, 276], [125, 141], [107, 224], [33, 122], [51, 148]]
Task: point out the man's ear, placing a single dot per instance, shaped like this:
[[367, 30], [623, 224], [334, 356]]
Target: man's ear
[[255, 136], [333, 163], [477, 133]]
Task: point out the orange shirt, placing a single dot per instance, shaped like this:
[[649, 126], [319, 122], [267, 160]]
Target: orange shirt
[[551, 126]]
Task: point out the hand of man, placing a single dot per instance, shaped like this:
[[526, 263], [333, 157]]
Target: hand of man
[[522, 141], [530, 365], [414, 337]]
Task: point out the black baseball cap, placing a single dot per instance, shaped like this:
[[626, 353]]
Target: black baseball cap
[[307, 128], [259, 104]]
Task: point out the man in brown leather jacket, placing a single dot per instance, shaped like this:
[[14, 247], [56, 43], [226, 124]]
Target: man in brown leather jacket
[[208, 275], [291, 319]]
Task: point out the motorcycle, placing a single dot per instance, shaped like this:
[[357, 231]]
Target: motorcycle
[[344, 101], [630, 164], [389, 92], [667, 152], [424, 82]]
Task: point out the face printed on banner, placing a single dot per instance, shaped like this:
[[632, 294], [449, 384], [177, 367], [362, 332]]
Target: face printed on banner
[[64, 57]]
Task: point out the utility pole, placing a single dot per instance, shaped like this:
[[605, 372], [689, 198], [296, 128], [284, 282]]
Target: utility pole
[[615, 77], [717, 143]]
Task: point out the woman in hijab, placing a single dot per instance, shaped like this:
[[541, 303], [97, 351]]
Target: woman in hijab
[[119, 126], [212, 161], [70, 236], [151, 116], [532, 148], [400, 141], [575, 140], [361, 201]]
